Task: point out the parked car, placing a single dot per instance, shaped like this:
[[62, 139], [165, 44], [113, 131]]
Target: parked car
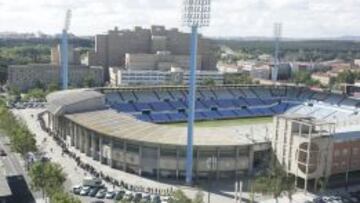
[[85, 191], [110, 195], [119, 195], [2, 152], [137, 197], [156, 199], [128, 196], [93, 191], [76, 189], [101, 194]]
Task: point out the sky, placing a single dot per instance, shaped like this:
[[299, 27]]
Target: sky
[[229, 18]]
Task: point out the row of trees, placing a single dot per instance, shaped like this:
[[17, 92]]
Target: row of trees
[[311, 50], [21, 139]]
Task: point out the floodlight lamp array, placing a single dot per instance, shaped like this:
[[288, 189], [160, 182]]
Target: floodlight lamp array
[[196, 13]]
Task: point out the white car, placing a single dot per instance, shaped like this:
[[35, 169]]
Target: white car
[[85, 191], [110, 194]]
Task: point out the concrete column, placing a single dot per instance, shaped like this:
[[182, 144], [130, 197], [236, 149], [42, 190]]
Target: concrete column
[[87, 143], [158, 164], [177, 164], [251, 160], [93, 145], [237, 163], [100, 149], [77, 137], [81, 135], [140, 160], [217, 163], [111, 164], [72, 142], [124, 157]]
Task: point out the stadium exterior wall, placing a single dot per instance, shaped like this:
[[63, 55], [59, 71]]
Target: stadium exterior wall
[[155, 160]]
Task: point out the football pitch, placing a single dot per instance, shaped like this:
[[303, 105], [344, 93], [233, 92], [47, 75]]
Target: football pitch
[[230, 122]]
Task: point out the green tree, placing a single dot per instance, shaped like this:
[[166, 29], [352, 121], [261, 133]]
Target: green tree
[[52, 87], [179, 197], [199, 197], [62, 197], [47, 176], [274, 182], [209, 82], [89, 81]]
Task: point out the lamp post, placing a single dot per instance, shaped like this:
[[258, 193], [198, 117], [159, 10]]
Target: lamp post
[[196, 13]]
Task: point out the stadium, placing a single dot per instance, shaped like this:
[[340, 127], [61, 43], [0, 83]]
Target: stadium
[[141, 130]]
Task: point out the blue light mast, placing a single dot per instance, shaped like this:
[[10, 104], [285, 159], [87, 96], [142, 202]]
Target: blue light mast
[[64, 52], [196, 14]]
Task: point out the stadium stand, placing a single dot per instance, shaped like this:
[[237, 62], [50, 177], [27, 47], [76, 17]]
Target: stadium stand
[[166, 106]]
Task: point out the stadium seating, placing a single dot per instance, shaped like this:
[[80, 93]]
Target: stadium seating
[[212, 104]]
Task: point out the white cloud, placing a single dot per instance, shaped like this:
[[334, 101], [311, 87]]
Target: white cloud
[[300, 18]]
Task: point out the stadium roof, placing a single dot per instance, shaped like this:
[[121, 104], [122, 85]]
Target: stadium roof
[[60, 102], [124, 126]]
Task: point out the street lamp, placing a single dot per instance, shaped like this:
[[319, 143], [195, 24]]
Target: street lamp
[[196, 14]]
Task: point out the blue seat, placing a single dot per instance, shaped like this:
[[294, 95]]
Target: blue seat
[[159, 118], [144, 117], [161, 106], [142, 106], [124, 107], [177, 116]]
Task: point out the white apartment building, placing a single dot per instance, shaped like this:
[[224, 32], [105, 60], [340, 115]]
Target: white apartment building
[[120, 77]]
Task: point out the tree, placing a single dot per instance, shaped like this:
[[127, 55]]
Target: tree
[[199, 197], [209, 82], [62, 197], [179, 197], [47, 176], [52, 87], [89, 81], [275, 181]]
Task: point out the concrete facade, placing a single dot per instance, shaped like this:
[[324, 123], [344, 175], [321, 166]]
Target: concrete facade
[[159, 161], [73, 55], [25, 77], [311, 151]]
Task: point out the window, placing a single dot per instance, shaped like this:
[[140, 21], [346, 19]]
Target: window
[[355, 151], [336, 153], [345, 152]]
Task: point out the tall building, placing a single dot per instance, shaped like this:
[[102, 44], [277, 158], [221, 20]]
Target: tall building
[[73, 55], [111, 48]]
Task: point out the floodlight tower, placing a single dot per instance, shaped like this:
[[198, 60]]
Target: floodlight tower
[[196, 13], [64, 51], [277, 38]]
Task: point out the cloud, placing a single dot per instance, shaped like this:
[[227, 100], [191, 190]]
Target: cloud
[[300, 18]]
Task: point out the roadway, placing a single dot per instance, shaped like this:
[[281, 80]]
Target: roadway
[[14, 169]]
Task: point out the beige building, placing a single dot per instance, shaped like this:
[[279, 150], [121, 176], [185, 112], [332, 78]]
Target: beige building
[[111, 48], [73, 55], [26, 77], [312, 151]]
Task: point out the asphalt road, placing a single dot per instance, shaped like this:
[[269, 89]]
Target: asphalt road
[[15, 172]]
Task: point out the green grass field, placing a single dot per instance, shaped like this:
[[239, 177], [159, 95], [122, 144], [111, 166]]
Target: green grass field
[[222, 123]]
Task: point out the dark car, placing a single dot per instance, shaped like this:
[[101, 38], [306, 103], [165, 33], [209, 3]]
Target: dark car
[[93, 191], [156, 199], [2, 152], [137, 197], [119, 195], [97, 201]]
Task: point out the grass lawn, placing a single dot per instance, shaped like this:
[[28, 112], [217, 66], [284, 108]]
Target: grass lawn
[[222, 123]]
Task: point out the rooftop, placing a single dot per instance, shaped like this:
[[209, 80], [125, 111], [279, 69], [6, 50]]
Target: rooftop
[[124, 126]]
